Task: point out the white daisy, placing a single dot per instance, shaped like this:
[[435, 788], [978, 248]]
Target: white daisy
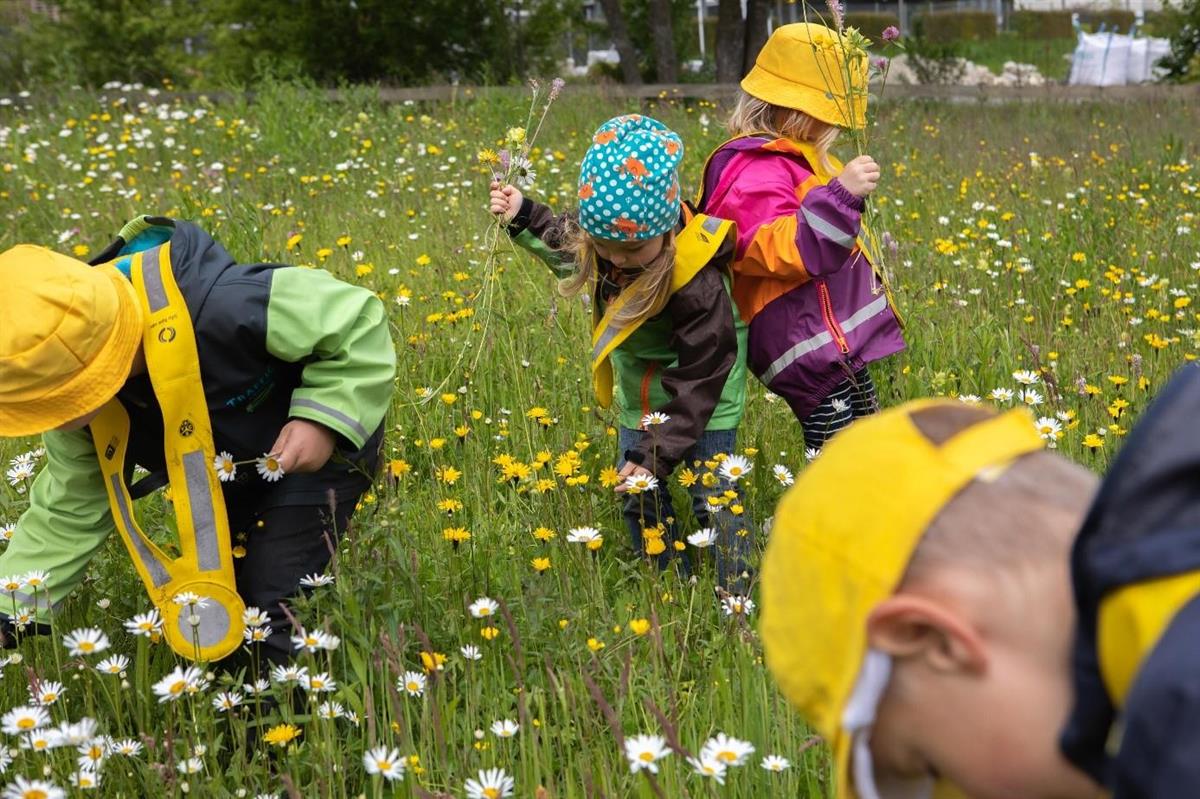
[[713, 769], [840, 405], [86, 779], [723, 749], [92, 754], [1026, 377], [492, 784], [256, 635], [412, 683], [483, 607], [320, 683], [1049, 429], [737, 605], [178, 683], [735, 467], [22, 788], [783, 474], [268, 468], [88, 641], [644, 752], [190, 599], [316, 580], [47, 693], [640, 483], [253, 617], [387, 763], [126, 747], [1001, 394], [37, 579], [24, 719], [812, 453], [775, 763], [1031, 397], [226, 701], [42, 740], [289, 673], [655, 418], [145, 624], [225, 467], [505, 729], [703, 538], [192, 765], [583, 535], [113, 665], [331, 710], [471, 652]]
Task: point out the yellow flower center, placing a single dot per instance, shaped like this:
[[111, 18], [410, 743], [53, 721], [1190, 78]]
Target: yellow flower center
[[491, 793], [272, 464], [383, 765], [412, 686], [178, 687], [227, 467], [726, 756], [26, 723], [49, 697], [35, 793], [646, 757], [86, 646]]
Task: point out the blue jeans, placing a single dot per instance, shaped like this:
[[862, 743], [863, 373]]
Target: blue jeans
[[649, 509]]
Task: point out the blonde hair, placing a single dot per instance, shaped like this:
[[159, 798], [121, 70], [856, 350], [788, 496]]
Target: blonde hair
[[1029, 514], [752, 115], [648, 293]]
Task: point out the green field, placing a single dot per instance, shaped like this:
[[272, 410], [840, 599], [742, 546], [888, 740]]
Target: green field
[[1056, 239]]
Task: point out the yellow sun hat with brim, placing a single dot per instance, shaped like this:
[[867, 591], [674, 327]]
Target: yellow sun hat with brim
[[69, 336], [805, 66], [841, 542]]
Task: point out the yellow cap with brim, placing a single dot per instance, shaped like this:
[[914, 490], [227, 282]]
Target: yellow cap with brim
[[806, 67], [68, 340], [842, 540]]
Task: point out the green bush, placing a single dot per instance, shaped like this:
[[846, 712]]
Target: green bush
[[871, 24], [1165, 24], [1042, 24], [1182, 65], [939, 27], [1112, 19]]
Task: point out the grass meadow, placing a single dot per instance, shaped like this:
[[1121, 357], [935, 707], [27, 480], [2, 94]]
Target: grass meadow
[[1044, 254]]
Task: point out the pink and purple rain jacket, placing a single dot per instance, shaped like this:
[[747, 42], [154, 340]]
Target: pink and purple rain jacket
[[802, 282]]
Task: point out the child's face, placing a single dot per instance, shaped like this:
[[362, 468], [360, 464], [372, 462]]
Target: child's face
[[981, 684], [629, 254]]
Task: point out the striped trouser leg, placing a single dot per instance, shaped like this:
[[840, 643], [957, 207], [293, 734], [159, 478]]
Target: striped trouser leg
[[835, 412], [864, 400]]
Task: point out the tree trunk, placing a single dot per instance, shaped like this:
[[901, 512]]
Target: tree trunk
[[620, 35], [665, 64], [731, 41], [758, 13]]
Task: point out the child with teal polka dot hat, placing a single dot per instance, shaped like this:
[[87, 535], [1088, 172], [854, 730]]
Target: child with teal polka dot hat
[[668, 343], [628, 183]]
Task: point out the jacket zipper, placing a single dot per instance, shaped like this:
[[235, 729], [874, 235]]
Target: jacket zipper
[[646, 378], [831, 321]]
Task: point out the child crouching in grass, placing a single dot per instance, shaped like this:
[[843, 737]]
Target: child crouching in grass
[[668, 346]]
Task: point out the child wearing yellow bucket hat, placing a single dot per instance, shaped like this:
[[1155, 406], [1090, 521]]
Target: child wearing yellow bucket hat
[[168, 355], [804, 282], [984, 622], [668, 349]]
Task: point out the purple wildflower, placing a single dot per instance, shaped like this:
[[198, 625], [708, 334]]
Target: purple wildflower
[[837, 12], [556, 87], [880, 64], [505, 160], [891, 33]]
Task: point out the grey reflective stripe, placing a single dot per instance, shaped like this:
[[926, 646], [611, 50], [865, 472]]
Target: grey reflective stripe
[[213, 624], [156, 295], [333, 413], [824, 337], [795, 351], [158, 572], [204, 522], [608, 335], [712, 224], [827, 230]]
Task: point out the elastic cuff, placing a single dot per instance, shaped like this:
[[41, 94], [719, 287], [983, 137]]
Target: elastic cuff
[[843, 196], [521, 221], [635, 456]]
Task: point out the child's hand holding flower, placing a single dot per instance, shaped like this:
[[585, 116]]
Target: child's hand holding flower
[[303, 446], [860, 176], [505, 201]]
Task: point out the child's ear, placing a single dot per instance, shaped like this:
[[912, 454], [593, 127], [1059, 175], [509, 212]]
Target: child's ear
[[906, 626]]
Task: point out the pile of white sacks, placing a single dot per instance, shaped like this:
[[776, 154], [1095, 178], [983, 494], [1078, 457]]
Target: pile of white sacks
[[968, 73]]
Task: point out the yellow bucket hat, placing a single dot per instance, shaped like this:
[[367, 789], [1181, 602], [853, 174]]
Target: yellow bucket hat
[[69, 337], [804, 66], [841, 543]]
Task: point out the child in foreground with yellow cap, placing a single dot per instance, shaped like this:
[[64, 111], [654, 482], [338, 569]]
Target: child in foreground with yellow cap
[[803, 281], [170, 356], [972, 624]]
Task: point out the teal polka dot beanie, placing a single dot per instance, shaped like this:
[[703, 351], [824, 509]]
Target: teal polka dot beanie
[[628, 184]]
